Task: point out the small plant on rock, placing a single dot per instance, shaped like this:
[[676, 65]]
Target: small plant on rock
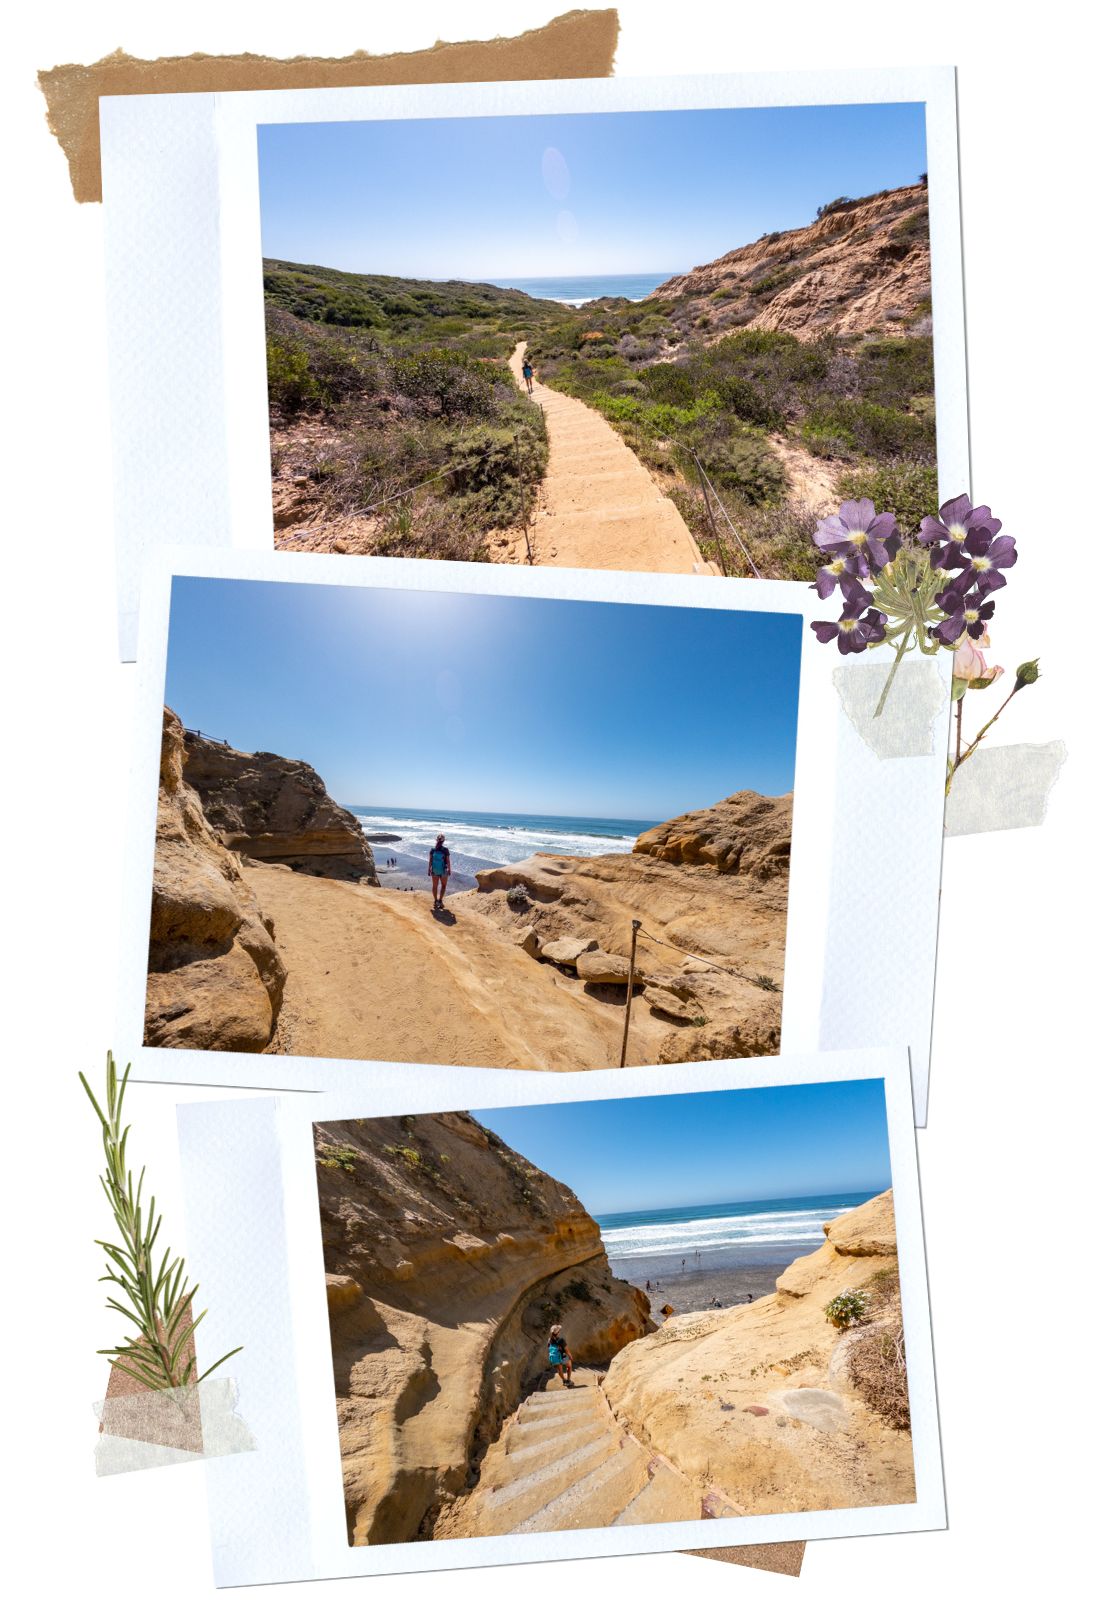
[[844, 1310]]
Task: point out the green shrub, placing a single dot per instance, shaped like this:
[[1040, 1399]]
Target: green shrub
[[290, 384], [840, 427], [496, 471], [748, 466], [445, 379], [907, 488], [847, 1308]]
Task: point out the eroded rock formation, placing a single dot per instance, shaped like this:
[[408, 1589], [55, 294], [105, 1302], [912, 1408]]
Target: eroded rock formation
[[215, 977], [271, 808], [862, 268], [448, 1257], [758, 1400], [710, 891], [747, 833]]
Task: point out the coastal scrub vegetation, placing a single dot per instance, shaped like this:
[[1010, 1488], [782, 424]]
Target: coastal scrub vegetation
[[382, 385], [730, 406], [378, 386], [876, 1361]]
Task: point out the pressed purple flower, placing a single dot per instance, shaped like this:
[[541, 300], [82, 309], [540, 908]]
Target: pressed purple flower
[[859, 624], [948, 532], [835, 572], [986, 555], [967, 611], [857, 531]]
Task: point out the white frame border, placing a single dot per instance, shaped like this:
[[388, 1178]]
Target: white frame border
[[842, 791], [278, 1514], [184, 291]]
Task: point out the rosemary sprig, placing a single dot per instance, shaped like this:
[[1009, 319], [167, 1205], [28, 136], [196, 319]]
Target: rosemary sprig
[[159, 1297]]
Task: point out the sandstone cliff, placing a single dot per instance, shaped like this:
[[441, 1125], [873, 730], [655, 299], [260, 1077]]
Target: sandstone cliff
[[448, 1258], [271, 808], [710, 891], [747, 833], [215, 977], [761, 1401], [862, 268]]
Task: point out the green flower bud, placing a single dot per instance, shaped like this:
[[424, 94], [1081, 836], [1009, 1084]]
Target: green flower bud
[[1027, 673]]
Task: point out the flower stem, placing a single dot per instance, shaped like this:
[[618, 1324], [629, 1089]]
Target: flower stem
[[980, 735], [899, 650]]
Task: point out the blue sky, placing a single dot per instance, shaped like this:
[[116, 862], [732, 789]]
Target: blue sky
[[473, 702], [695, 1149], [500, 197]]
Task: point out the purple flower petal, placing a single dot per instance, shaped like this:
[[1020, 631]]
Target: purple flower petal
[[857, 515], [826, 631], [955, 511], [931, 530]]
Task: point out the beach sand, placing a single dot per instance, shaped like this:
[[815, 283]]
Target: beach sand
[[411, 872], [700, 1283]]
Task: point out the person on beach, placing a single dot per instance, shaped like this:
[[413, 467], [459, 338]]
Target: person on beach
[[528, 375], [560, 1356], [439, 870]]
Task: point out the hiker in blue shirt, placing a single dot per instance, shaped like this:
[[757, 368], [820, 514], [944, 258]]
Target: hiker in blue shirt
[[439, 870], [528, 375], [560, 1356]]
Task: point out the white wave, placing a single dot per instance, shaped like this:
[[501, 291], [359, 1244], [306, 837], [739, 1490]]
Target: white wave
[[710, 1233], [504, 843]]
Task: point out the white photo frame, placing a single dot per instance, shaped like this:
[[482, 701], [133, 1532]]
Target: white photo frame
[[277, 1514], [849, 981], [188, 378]]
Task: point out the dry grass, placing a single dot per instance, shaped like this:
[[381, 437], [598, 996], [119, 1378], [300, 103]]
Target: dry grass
[[876, 1360]]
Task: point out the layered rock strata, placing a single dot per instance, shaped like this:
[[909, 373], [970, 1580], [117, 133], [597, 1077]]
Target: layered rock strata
[[862, 268], [215, 979], [448, 1257], [710, 891], [758, 1401], [271, 808]]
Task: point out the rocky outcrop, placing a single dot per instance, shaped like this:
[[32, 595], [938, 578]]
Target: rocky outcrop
[[747, 833], [271, 808], [448, 1257], [709, 890], [215, 977], [758, 1401], [862, 268]]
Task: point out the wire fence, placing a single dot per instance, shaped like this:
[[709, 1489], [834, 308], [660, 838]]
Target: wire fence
[[759, 980], [637, 931], [710, 494]]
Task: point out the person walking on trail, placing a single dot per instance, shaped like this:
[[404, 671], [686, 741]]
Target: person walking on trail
[[528, 375], [439, 870], [560, 1356]]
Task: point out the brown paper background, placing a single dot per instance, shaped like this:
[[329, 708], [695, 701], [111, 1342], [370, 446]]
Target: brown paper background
[[578, 44]]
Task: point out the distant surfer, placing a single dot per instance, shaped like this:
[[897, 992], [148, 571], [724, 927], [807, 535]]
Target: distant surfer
[[439, 870]]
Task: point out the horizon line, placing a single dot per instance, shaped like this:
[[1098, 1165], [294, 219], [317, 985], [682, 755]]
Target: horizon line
[[757, 1201]]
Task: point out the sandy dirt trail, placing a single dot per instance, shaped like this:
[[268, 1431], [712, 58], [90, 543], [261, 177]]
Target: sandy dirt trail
[[599, 507], [373, 975]]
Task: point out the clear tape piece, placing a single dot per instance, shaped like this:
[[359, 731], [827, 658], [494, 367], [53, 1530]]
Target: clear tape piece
[[167, 1427], [1003, 786], [905, 727]]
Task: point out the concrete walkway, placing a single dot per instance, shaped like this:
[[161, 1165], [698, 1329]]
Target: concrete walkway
[[598, 506]]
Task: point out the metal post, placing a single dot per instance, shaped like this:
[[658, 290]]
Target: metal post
[[634, 926]]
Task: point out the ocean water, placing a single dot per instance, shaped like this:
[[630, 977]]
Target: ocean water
[[736, 1234], [478, 839], [575, 291]]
